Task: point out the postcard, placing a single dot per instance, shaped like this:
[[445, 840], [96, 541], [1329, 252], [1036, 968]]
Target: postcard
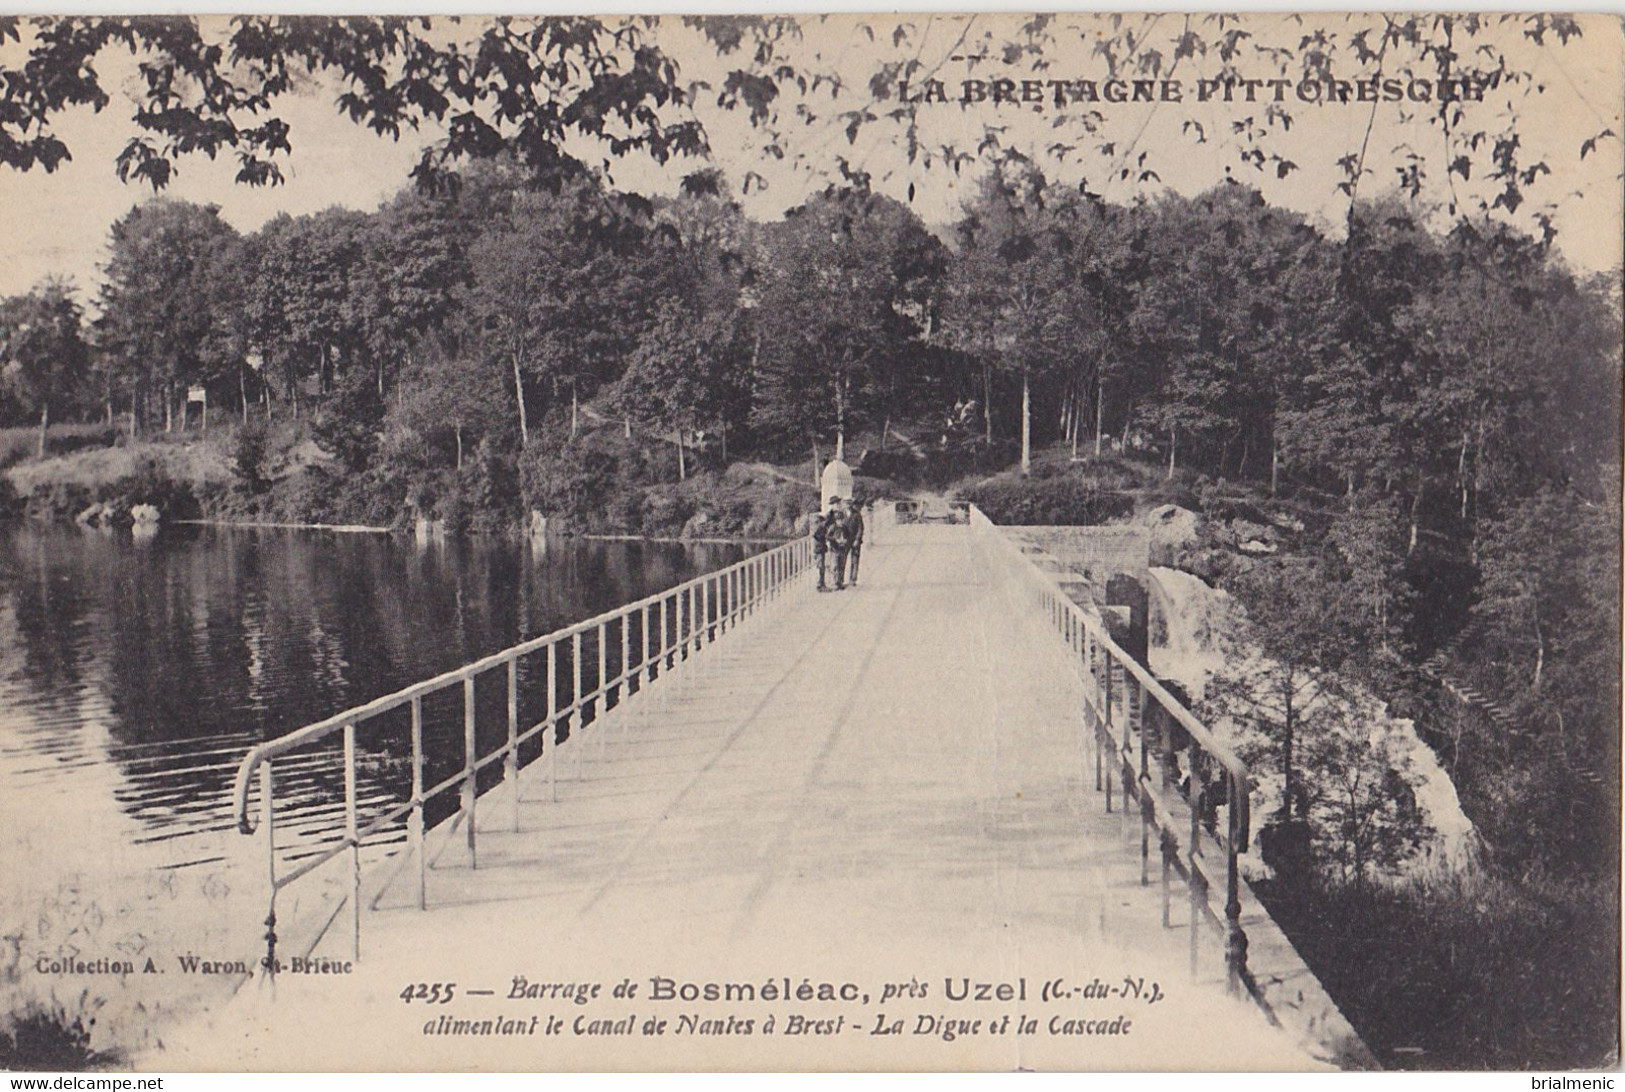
[[963, 542]]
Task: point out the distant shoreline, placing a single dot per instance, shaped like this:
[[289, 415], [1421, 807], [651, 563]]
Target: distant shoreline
[[362, 528]]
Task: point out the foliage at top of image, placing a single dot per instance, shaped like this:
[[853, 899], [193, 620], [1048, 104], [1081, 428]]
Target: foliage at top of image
[[562, 95]]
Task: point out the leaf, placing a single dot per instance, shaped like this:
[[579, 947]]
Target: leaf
[[1590, 145]]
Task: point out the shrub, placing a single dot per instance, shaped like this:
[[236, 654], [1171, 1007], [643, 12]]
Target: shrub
[[1478, 972], [1059, 500], [250, 457], [866, 489], [48, 1038], [568, 483]]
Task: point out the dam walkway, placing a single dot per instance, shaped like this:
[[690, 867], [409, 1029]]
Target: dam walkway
[[913, 787]]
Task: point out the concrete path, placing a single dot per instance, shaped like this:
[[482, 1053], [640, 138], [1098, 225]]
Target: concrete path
[[881, 786]]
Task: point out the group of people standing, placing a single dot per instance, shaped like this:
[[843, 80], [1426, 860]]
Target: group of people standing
[[839, 531]]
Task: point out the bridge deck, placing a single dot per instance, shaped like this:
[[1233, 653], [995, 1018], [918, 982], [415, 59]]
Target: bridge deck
[[882, 784]]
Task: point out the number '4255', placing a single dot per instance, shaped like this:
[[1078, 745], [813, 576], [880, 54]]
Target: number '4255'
[[430, 992]]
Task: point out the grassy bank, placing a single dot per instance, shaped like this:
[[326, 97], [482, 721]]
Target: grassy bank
[[597, 486]]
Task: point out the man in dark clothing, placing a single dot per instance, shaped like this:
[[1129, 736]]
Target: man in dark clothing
[[840, 542], [854, 536], [820, 537]]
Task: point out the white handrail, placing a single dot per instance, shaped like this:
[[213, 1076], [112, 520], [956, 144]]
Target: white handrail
[[706, 607], [1098, 658]]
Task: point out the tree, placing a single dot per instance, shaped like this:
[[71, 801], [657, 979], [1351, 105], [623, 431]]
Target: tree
[[1229, 298], [162, 307], [43, 357], [839, 306], [1366, 818], [543, 277], [447, 389], [413, 259], [1008, 287], [1299, 623], [680, 372], [306, 306]]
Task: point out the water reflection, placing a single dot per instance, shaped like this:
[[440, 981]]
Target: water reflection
[[138, 672]]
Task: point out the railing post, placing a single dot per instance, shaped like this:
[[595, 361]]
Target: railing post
[[1142, 718], [694, 618], [626, 658], [267, 821], [603, 673], [1093, 686], [1193, 877], [648, 665], [602, 706], [552, 733], [725, 600], [1235, 940], [510, 764], [351, 836], [1165, 739], [1106, 726], [663, 629], [679, 641], [578, 734], [470, 791], [415, 827]]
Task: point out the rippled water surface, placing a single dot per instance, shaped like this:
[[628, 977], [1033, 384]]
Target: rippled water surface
[[135, 674]]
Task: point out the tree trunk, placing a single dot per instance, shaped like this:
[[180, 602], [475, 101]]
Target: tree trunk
[[169, 409], [459, 431], [1173, 449], [840, 418], [575, 411], [44, 423], [627, 427], [1461, 473], [519, 396], [1290, 729], [1540, 651], [242, 391], [682, 463], [987, 404], [1275, 460], [1100, 414], [1026, 424], [1416, 511]]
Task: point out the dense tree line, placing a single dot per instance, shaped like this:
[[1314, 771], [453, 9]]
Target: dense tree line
[[1451, 396]]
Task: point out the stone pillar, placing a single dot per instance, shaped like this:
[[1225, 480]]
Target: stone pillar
[[1128, 627]]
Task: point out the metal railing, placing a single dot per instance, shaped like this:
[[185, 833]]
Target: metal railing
[[1162, 758], [661, 630]]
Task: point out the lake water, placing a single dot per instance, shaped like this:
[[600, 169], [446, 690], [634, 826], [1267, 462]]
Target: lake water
[[135, 674]]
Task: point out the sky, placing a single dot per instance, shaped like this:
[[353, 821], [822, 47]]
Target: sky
[[57, 224]]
